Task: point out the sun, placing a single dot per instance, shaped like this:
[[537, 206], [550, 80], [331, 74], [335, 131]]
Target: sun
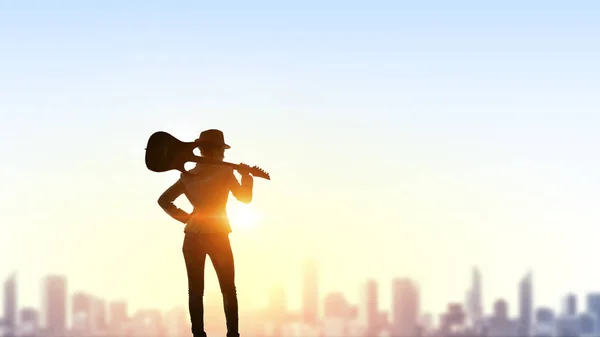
[[242, 215]]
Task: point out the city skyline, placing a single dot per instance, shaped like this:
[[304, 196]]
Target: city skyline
[[405, 139], [79, 311], [309, 294], [487, 305]]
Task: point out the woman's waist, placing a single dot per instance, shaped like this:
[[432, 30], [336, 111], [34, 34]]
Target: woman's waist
[[202, 221], [209, 212]]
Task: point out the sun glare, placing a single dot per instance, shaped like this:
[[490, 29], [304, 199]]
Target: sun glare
[[242, 215]]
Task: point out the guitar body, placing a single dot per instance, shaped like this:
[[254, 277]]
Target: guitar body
[[164, 152]]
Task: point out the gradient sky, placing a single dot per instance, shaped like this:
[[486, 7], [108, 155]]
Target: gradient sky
[[405, 138]]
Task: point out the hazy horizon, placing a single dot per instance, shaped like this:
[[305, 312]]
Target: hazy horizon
[[411, 140]]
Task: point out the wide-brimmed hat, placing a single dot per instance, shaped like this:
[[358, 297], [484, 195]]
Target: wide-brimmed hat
[[212, 137]]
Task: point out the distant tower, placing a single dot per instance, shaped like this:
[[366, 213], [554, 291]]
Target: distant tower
[[55, 304], [10, 304], [525, 305], [570, 305], [405, 308], [369, 310], [310, 294], [474, 298]]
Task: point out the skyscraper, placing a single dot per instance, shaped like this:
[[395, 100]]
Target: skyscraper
[[593, 307], [55, 303], [310, 294], [570, 305], [587, 324], [405, 307], [81, 312], [10, 304], [525, 305], [369, 310], [474, 305]]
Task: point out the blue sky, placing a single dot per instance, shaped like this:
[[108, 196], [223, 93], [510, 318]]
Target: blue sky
[[405, 128]]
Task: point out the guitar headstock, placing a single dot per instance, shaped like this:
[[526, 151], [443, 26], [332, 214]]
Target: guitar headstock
[[260, 173]]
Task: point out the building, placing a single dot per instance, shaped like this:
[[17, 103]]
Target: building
[[310, 293], [118, 316], [369, 309], [576, 325], [337, 315], [593, 307], [148, 323], [568, 326], [544, 322], [587, 324], [500, 309], [81, 312], [177, 323], [544, 315], [55, 304], [10, 305], [499, 324], [474, 304], [384, 322], [30, 322], [525, 305], [405, 308], [570, 305], [453, 320], [427, 324], [99, 321]]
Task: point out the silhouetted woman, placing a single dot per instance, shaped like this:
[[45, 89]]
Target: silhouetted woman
[[207, 229]]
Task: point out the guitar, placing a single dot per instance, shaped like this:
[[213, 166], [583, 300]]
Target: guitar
[[164, 152]]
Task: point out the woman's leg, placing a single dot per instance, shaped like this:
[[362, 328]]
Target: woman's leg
[[195, 258], [221, 256]]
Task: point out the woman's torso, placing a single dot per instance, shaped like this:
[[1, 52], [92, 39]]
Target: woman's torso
[[207, 188]]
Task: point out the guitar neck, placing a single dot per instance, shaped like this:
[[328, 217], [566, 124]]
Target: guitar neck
[[207, 161], [254, 170], [232, 165]]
